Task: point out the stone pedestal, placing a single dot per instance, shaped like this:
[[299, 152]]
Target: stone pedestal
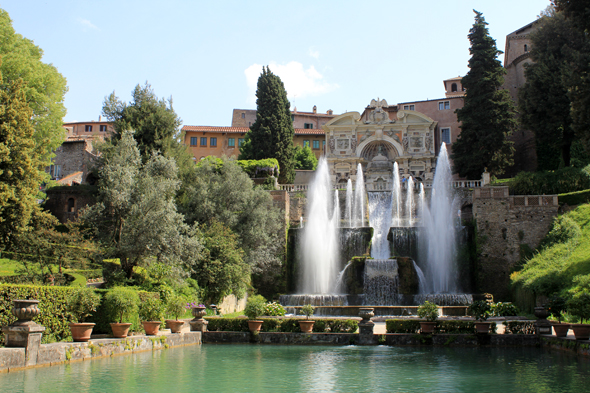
[[366, 326], [24, 333], [198, 325], [542, 325]]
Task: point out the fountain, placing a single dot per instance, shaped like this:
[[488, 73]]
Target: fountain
[[413, 244]]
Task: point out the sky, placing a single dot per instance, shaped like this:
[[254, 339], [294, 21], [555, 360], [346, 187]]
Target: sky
[[207, 55]]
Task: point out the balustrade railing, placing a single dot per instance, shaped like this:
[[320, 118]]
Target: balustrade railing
[[385, 186]]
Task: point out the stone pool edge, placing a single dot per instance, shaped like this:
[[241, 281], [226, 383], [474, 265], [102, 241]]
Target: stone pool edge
[[15, 359]]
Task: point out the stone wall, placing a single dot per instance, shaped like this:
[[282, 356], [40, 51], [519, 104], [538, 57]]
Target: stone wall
[[66, 202], [507, 226]]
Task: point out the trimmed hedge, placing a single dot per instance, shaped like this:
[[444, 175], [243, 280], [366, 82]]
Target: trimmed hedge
[[283, 325], [260, 168], [412, 326], [564, 180], [519, 327], [574, 198]]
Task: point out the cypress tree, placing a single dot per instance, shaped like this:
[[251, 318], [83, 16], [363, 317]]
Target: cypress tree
[[271, 135], [488, 113]]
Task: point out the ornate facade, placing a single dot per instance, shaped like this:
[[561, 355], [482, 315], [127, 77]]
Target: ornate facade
[[385, 137]]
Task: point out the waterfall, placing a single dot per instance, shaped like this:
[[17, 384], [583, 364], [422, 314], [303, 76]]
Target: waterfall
[[381, 282], [396, 197], [348, 207], [359, 198], [380, 219], [421, 278], [410, 200], [301, 222], [319, 245]]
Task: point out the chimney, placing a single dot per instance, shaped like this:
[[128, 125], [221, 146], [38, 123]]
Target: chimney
[[315, 109], [99, 117], [330, 112]]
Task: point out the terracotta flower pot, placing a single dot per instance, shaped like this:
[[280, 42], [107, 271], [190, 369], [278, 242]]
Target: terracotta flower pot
[[581, 331], [482, 327], [306, 326], [81, 331], [151, 327], [561, 329], [120, 330], [427, 327], [255, 326], [174, 325]]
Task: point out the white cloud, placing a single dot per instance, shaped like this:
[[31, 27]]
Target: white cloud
[[299, 82], [314, 53], [86, 24]]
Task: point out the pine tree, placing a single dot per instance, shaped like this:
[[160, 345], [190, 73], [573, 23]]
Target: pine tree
[[487, 116], [20, 161], [271, 135]]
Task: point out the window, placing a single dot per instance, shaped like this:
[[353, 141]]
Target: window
[[103, 128], [88, 128], [204, 141], [316, 144], [55, 171], [213, 142], [306, 143], [526, 48], [194, 140], [454, 87], [445, 135], [409, 107], [243, 115], [444, 105], [231, 142], [308, 126], [240, 141], [71, 205]]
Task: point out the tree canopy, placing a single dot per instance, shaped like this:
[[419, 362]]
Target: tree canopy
[[305, 159], [271, 135], [44, 86], [487, 117]]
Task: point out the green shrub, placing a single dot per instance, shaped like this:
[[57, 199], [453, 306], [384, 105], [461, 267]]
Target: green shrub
[[504, 309], [176, 306], [122, 303], [579, 303], [480, 309], [574, 198], [561, 181], [274, 309], [519, 327], [412, 326], [563, 229], [255, 306], [428, 311], [83, 303], [556, 307], [284, 325], [307, 310], [151, 309], [260, 168], [402, 326], [454, 327]]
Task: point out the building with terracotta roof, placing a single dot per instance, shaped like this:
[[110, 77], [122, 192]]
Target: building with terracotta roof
[[96, 129]]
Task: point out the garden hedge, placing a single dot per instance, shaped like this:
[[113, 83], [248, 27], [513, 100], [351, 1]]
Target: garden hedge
[[284, 325], [574, 198], [519, 327], [411, 326]]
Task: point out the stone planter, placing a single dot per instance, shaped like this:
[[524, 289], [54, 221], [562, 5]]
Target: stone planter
[[151, 327], [561, 329], [482, 327], [81, 332], [427, 327], [199, 312], [306, 326], [581, 331], [120, 330], [25, 311], [255, 326], [174, 325], [541, 312], [366, 313]]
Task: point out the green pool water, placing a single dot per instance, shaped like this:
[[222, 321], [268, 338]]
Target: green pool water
[[265, 368]]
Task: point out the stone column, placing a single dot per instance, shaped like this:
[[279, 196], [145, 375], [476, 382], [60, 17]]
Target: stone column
[[542, 325], [25, 333], [366, 326]]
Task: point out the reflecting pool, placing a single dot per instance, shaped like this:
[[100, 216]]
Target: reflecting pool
[[266, 368]]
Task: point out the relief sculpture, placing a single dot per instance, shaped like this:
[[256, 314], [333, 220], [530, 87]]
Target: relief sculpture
[[331, 145]]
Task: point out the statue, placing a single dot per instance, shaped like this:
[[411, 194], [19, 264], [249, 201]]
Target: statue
[[405, 143], [331, 145]]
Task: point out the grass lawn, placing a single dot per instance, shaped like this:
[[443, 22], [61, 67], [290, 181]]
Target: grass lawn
[[8, 267]]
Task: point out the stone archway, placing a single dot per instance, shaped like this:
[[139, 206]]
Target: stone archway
[[371, 149]]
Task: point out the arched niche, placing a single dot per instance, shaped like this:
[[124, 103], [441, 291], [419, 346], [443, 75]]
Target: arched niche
[[371, 149], [390, 145]]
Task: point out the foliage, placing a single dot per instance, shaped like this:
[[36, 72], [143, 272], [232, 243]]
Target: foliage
[[305, 158], [487, 117], [136, 217], [543, 100], [151, 309], [412, 326], [226, 194], [83, 303], [176, 306], [274, 309], [284, 325], [307, 310], [21, 163], [519, 327], [122, 302], [564, 229], [221, 270], [271, 135], [255, 306], [402, 326], [44, 89], [574, 198], [550, 182], [260, 168], [480, 309], [504, 309], [557, 306], [428, 311], [579, 302]]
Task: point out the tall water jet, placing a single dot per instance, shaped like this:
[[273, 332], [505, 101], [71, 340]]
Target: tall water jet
[[396, 197], [348, 207], [410, 200], [440, 228], [359, 198], [380, 220], [318, 248]]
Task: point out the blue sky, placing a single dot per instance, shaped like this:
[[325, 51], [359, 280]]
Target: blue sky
[[207, 55]]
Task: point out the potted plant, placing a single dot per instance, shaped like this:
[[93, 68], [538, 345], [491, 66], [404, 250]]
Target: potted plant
[[428, 311], [307, 325], [151, 312], [82, 304], [579, 306], [481, 309], [254, 309], [121, 302], [176, 308], [556, 307]]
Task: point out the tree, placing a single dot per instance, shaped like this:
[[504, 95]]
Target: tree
[[136, 217], [20, 162], [544, 102], [487, 117], [271, 135], [44, 86], [305, 159]]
